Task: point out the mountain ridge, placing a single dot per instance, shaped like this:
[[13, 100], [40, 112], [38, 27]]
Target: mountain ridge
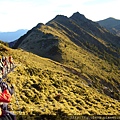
[[84, 33], [111, 24]]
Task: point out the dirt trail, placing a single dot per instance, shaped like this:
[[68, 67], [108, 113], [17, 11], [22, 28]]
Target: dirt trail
[[5, 76]]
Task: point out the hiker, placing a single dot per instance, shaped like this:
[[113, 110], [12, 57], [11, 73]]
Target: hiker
[[5, 65], [3, 58], [11, 62], [0, 74], [1, 70], [2, 65], [5, 97]]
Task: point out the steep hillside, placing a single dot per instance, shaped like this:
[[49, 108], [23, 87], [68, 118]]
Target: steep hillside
[[81, 44], [46, 87], [76, 50], [111, 24]]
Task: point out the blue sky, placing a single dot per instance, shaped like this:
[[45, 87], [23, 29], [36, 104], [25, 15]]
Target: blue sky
[[25, 14]]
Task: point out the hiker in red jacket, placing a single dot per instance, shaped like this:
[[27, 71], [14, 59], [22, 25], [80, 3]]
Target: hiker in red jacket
[[5, 97]]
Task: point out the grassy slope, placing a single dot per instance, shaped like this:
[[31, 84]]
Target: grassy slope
[[101, 73], [44, 86]]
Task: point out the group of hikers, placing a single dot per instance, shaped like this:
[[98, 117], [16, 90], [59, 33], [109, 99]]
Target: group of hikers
[[6, 64]]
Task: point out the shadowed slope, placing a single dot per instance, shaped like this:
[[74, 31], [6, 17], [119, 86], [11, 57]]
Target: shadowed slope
[[111, 24], [87, 34]]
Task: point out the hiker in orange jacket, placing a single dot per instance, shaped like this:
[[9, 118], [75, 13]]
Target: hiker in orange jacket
[[11, 62], [5, 97]]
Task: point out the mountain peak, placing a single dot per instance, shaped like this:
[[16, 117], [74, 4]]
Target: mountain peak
[[110, 19], [78, 16], [60, 17], [39, 25]]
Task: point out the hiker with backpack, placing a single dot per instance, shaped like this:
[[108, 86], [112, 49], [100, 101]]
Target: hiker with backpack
[[5, 64], [1, 67], [5, 97], [1, 73], [3, 58], [11, 62], [2, 61]]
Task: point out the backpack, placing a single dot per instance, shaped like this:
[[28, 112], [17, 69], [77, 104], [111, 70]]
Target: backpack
[[6, 114], [3, 58], [10, 59], [1, 66]]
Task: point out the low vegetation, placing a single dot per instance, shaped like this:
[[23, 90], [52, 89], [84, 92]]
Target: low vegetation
[[70, 66], [46, 87]]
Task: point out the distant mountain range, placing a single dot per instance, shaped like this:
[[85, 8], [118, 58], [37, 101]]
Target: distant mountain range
[[111, 24], [11, 36]]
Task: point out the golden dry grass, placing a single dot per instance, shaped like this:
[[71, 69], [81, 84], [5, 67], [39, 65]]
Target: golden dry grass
[[43, 86]]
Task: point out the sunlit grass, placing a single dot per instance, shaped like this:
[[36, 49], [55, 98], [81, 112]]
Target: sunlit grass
[[43, 86]]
